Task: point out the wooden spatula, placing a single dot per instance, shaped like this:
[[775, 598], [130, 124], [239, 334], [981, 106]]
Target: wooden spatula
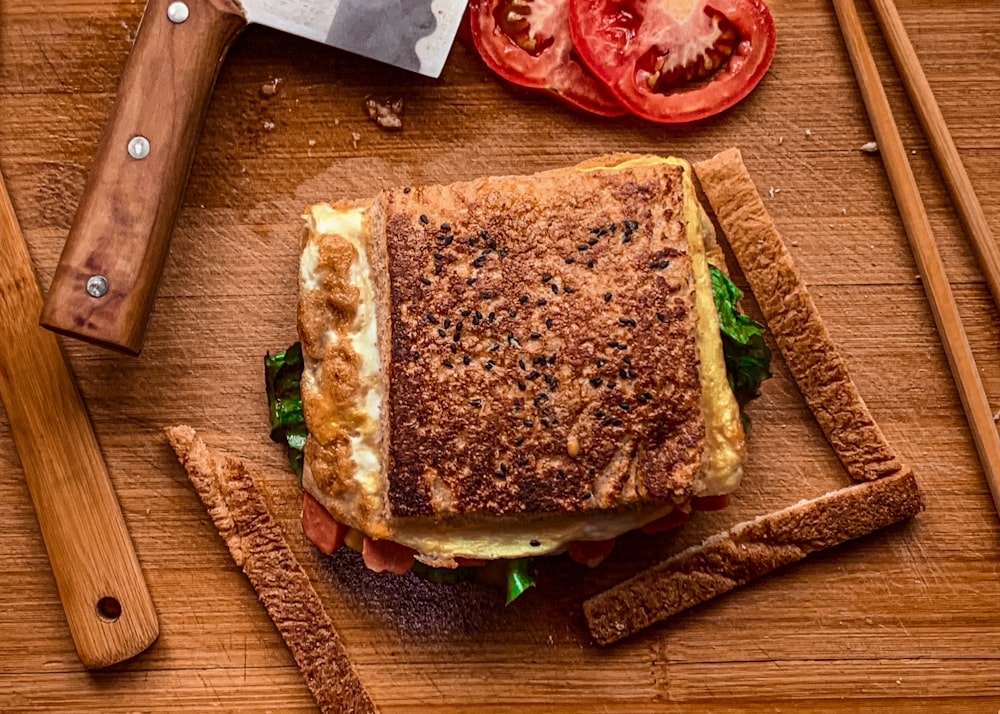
[[110, 613]]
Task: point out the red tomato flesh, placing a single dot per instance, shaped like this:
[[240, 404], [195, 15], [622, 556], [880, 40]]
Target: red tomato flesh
[[590, 552], [527, 42], [674, 60], [384, 556], [320, 527]]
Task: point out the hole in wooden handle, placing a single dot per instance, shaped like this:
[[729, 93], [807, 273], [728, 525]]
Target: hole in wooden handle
[[109, 608]]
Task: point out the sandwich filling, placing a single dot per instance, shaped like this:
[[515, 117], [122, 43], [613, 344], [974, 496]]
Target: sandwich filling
[[360, 436]]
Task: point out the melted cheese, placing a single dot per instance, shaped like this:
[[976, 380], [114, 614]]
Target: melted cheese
[[491, 537]]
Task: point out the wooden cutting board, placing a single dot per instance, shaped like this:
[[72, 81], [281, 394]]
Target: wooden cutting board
[[905, 620]]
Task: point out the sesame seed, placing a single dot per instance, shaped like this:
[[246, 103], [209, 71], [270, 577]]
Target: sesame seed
[[490, 365], [441, 333], [479, 262], [448, 363], [570, 260], [491, 317], [518, 441], [477, 318], [431, 319], [627, 360], [447, 323], [539, 361], [425, 280], [466, 360], [528, 423], [512, 313], [568, 290], [424, 219], [521, 364], [437, 269], [607, 297], [465, 312], [457, 336], [534, 374], [470, 281], [454, 348], [601, 363], [548, 322], [659, 264], [448, 239], [486, 295], [590, 264], [627, 238], [540, 398], [582, 247], [551, 381], [476, 402], [416, 356], [626, 321], [542, 302], [555, 289], [613, 344], [661, 317], [534, 543], [546, 278], [592, 242], [544, 422], [523, 299], [535, 335], [552, 358], [612, 227], [612, 384], [624, 406], [596, 382], [521, 385], [495, 347], [407, 189], [472, 241], [630, 225], [445, 227], [599, 414]]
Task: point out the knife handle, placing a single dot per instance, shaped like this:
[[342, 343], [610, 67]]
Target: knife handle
[[106, 280], [108, 608]]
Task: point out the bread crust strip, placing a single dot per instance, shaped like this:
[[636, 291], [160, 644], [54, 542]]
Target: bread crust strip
[[258, 546], [792, 317], [886, 493], [749, 550]]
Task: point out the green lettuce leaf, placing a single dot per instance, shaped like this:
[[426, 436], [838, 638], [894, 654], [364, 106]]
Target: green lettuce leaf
[[282, 373], [748, 358], [519, 578]]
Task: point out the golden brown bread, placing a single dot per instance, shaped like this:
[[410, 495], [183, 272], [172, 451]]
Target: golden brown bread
[[793, 319], [749, 550], [538, 348], [258, 546]]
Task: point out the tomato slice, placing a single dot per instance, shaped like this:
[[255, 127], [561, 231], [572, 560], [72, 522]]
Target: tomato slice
[[675, 60], [320, 527], [385, 556], [527, 42], [590, 552]]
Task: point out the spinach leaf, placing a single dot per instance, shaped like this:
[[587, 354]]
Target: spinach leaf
[[748, 358], [282, 373]]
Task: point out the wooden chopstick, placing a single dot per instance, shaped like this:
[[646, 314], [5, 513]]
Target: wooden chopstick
[[942, 145], [925, 253]]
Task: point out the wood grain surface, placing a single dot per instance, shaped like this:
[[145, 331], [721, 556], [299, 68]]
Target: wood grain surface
[[904, 620]]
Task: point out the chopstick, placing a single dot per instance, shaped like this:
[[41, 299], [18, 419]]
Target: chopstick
[[925, 252], [942, 145]]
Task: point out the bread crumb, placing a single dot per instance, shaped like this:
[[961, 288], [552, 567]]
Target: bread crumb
[[269, 89], [870, 147], [268, 125], [809, 132], [355, 138], [312, 142], [385, 112], [772, 192], [781, 140]]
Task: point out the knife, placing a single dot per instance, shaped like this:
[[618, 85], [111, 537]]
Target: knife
[[106, 280], [108, 608]]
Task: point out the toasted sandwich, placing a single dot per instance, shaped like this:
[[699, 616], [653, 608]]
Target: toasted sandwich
[[514, 366]]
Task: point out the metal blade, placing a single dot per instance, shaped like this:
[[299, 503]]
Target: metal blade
[[413, 34]]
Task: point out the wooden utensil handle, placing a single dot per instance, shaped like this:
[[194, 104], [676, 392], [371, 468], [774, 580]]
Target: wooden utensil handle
[[108, 607], [106, 281]]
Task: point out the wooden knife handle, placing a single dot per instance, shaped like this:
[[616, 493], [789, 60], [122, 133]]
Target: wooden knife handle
[[106, 281], [108, 607]]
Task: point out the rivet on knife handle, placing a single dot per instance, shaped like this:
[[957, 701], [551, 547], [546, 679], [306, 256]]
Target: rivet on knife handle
[[110, 614], [106, 281]]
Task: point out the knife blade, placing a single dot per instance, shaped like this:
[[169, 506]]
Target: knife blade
[[106, 280]]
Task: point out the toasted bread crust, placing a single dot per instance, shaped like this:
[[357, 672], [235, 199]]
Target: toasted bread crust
[[749, 550], [258, 546], [530, 315], [813, 359]]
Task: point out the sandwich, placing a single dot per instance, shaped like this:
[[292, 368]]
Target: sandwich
[[514, 366]]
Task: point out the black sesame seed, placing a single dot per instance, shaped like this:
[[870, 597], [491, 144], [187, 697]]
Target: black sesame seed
[[424, 219], [470, 281], [476, 402], [521, 385], [437, 269], [534, 374], [607, 297], [630, 225], [627, 360], [592, 242], [503, 252], [659, 264], [661, 317], [555, 288], [491, 317], [523, 299], [612, 227], [601, 363], [627, 238], [552, 358], [425, 280], [518, 405], [612, 384], [624, 406], [590, 264], [613, 344], [431, 319], [534, 543], [544, 422], [596, 230], [512, 313], [457, 336], [446, 228], [542, 302], [596, 382], [495, 347], [465, 313], [582, 247], [479, 262], [546, 278], [447, 323], [486, 294], [622, 346], [570, 260], [551, 381], [539, 361], [441, 333], [540, 398], [472, 241], [466, 360], [548, 322], [517, 442], [528, 423], [448, 239], [568, 290], [477, 318], [490, 365], [458, 327], [644, 398], [585, 495], [599, 414], [535, 335], [448, 363], [454, 348], [415, 356], [626, 321], [407, 189], [521, 364]]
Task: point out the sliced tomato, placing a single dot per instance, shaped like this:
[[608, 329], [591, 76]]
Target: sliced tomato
[[384, 556], [590, 552], [320, 527], [675, 60], [527, 42], [710, 503], [668, 522]]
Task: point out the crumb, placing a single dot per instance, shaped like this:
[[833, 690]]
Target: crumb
[[312, 142], [336, 122], [269, 89], [355, 137], [809, 132], [772, 192], [843, 211], [387, 113], [781, 140], [268, 125], [870, 147]]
